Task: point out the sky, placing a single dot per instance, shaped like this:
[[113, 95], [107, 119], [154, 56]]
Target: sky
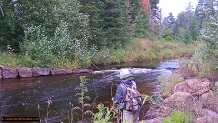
[[175, 6]]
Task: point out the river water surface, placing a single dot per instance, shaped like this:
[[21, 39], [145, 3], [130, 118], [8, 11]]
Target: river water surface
[[21, 97]]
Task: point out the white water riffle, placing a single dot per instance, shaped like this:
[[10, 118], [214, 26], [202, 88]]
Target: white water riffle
[[133, 71]]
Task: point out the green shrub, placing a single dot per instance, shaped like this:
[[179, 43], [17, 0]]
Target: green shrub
[[178, 117], [196, 66], [104, 114]]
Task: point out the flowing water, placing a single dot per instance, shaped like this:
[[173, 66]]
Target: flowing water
[[21, 97]]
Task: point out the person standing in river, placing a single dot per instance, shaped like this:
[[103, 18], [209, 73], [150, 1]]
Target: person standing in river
[[126, 112]]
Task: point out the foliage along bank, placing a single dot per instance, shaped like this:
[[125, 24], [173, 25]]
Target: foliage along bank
[[136, 50]]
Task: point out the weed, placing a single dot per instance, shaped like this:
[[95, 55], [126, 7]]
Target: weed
[[168, 84], [82, 97], [49, 102]]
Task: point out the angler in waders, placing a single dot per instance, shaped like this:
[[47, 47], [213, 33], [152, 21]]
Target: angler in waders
[[128, 99]]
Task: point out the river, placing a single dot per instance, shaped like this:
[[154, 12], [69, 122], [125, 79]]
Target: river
[[21, 97]]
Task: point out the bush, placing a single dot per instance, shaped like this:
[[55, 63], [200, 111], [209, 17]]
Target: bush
[[196, 65], [104, 114], [61, 45], [178, 117]]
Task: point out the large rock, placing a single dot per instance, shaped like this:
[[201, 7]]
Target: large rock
[[155, 120], [76, 71], [209, 101], [0, 73], [56, 71], [204, 97], [8, 72], [24, 72], [207, 112], [178, 101], [210, 119], [193, 86], [216, 86], [37, 71]]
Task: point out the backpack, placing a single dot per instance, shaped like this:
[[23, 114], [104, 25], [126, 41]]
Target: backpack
[[133, 100]]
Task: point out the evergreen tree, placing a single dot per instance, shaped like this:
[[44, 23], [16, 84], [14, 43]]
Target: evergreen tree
[[133, 10], [199, 11], [169, 21], [194, 28], [115, 22], [141, 24], [183, 28], [94, 8]]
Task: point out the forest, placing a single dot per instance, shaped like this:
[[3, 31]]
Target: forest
[[76, 33]]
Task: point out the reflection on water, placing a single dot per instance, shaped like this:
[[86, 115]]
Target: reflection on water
[[21, 97]]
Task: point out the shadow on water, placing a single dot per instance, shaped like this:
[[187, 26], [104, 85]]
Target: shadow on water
[[21, 97]]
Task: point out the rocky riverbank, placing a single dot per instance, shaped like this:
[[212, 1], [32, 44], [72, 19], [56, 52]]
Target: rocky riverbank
[[196, 97], [24, 72]]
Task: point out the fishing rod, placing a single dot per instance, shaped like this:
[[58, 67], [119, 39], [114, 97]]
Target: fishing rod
[[106, 77]]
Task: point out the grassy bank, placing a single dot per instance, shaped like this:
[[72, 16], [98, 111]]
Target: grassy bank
[[136, 50]]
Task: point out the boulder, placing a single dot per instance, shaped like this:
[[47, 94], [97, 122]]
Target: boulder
[[207, 119], [57, 71], [8, 72], [207, 112], [155, 120], [193, 86], [0, 73], [76, 71], [216, 86], [37, 71], [24, 72], [204, 97], [209, 101], [178, 101]]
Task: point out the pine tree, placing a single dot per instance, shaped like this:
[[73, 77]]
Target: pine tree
[[115, 22], [199, 11], [194, 28], [183, 27], [94, 8], [169, 21], [141, 24]]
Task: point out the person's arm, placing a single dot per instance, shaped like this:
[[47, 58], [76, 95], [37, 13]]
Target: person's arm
[[119, 95]]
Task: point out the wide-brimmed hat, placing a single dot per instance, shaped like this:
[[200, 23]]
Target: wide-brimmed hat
[[124, 73]]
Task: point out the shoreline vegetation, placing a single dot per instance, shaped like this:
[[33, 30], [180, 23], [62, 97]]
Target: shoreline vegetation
[[136, 50]]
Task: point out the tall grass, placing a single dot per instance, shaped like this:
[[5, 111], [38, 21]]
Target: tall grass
[[141, 50], [9, 59], [167, 85]]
